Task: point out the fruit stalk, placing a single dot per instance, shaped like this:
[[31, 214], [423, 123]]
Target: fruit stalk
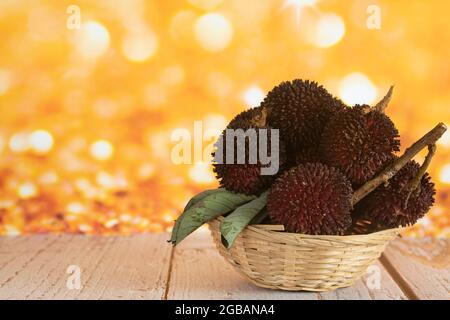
[[414, 185], [381, 106], [428, 139]]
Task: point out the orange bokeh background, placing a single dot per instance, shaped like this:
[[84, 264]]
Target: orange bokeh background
[[87, 110]]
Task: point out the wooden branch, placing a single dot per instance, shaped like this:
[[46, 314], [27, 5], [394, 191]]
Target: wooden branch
[[428, 139], [414, 184], [381, 106], [260, 120], [431, 151]]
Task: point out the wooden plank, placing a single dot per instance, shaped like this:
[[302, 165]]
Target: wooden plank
[[35, 267], [199, 272], [420, 266], [377, 284], [137, 267], [16, 254]]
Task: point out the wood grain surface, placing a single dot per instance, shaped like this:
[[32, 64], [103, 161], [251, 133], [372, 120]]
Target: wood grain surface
[[147, 267]]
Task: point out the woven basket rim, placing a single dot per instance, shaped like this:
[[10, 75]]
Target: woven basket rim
[[278, 229]]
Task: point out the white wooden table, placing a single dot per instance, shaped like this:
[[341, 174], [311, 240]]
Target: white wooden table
[[147, 267]]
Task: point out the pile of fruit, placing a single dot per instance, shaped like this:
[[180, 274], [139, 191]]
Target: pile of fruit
[[333, 164]]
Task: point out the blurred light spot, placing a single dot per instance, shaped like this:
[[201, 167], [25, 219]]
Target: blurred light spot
[[105, 180], [219, 84], [41, 141], [425, 221], [437, 210], [215, 121], [45, 23], [27, 190], [75, 208], [111, 223], [19, 142], [205, 4], [11, 230], [168, 217], [101, 149], [155, 95], [83, 184], [445, 174], [77, 144], [140, 47], [136, 220], [445, 139], [5, 81], [85, 228], [121, 182], [105, 108], [253, 96], [201, 173], [298, 5], [7, 204], [356, 88], [182, 25], [159, 143], [146, 171], [176, 181], [2, 144], [93, 40], [330, 30], [125, 217], [213, 31], [49, 177], [172, 75]]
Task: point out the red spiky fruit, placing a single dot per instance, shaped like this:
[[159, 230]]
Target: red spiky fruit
[[394, 205], [302, 156], [359, 141], [300, 109], [311, 198], [246, 177]]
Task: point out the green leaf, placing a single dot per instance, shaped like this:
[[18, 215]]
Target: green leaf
[[259, 218], [194, 200], [204, 210], [236, 221], [201, 196]]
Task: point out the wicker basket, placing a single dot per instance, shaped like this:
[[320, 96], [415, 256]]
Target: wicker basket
[[289, 261]]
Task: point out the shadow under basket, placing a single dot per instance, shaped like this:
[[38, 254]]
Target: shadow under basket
[[272, 258]]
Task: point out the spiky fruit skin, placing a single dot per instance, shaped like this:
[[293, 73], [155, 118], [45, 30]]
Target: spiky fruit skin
[[300, 109], [303, 156], [312, 199], [359, 143], [388, 205], [246, 119], [246, 178], [243, 178]]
